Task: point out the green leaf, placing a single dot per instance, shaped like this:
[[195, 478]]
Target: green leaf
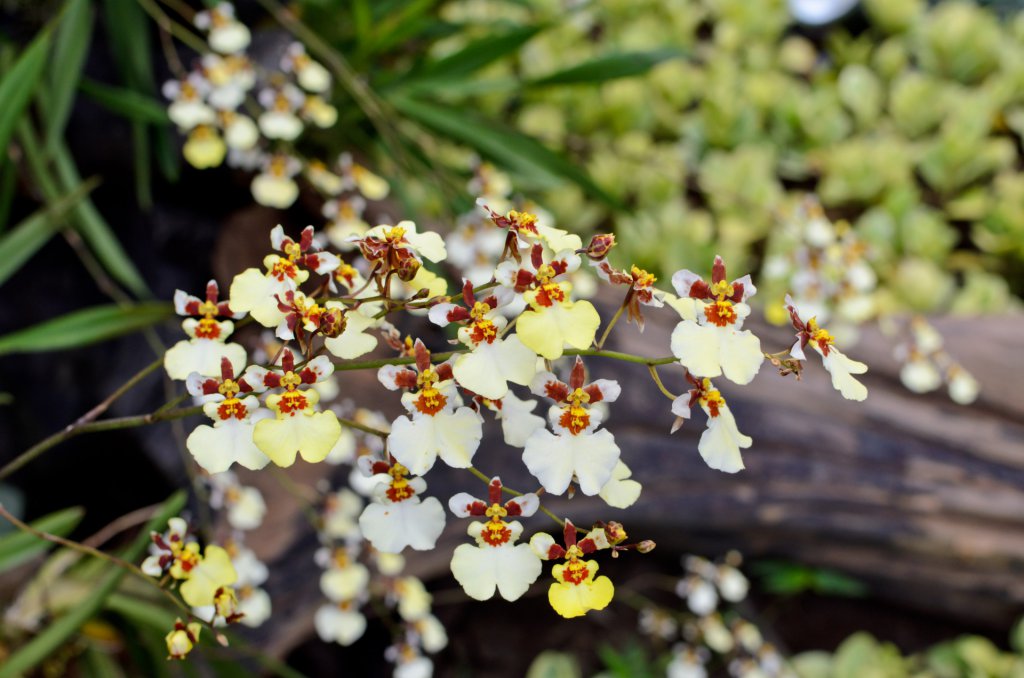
[[21, 242], [513, 150], [478, 54], [19, 84], [86, 326], [97, 663], [19, 547], [26, 657], [608, 67], [65, 70], [97, 233], [551, 664], [125, 102]]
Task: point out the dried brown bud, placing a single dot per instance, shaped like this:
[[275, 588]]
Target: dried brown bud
[[600, 245]]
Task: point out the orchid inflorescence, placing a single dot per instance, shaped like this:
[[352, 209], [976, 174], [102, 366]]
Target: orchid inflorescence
[[520, 338]]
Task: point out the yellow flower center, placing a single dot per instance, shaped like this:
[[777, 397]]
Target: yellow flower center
[[819, 334], [231, 408], [712, 399], [575, 417], [400, 489], [395, 235], [283, 268], [208, 328], [642, 278], [720, 313], [229, 388], [722, 289]]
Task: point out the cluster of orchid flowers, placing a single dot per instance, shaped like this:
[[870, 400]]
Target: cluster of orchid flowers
[[705, 631], [232, 111], [825, 268], [509, 329]]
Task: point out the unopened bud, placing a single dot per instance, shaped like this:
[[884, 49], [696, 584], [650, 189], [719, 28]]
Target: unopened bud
[[600, 245], [646, 546], [332, 323], [616, 532], [408, 268]]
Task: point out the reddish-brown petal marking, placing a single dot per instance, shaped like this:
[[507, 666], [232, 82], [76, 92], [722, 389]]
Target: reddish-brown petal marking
[[577, 375], [575, 572], [306, 239], [537, 256], [399, 491], [594, 393], [574, 419], [484, 331], [556, 390], [560, 266], [192, 306], [720, 313], [524, 280], [713, 407], [587, 545], [292, 401], [443, 371], [430, 401], [212, 291], [422, 356], [467, 294], [311, 261], [513, 508], [549, 294], [737, 293], [555, 552], [476, 508], [494, 490], [379, 467], [495, 533], [457, 314], [210, 386], [231, 408], [569, 534], [207, 329], [700, 290], [405, 379], [284, 269], [287, 361], [718, 270]]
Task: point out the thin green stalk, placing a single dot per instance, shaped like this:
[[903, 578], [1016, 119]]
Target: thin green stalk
[[657, 380], [611, 324], [105, 425], [95, 553]]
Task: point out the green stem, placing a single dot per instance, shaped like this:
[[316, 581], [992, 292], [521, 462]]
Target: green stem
[[95, 553], [363, 427], [105, 425], [611, 324], [657, 380]]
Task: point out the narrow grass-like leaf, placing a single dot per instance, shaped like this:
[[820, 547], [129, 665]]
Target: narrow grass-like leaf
[[21, 242], [478, 54], [608, 67], [97, 233], [8, 182], [86, 326], [28, 656], [19, 83], [71, 45], [513, 150], [20, 547], [125, 102]]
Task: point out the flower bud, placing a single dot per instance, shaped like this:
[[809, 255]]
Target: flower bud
[[646, 546], [408, 268], [616, 532], [600, 245], [332, 323]]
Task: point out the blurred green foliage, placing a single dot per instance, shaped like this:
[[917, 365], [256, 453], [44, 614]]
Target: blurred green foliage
[[910, 129]]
